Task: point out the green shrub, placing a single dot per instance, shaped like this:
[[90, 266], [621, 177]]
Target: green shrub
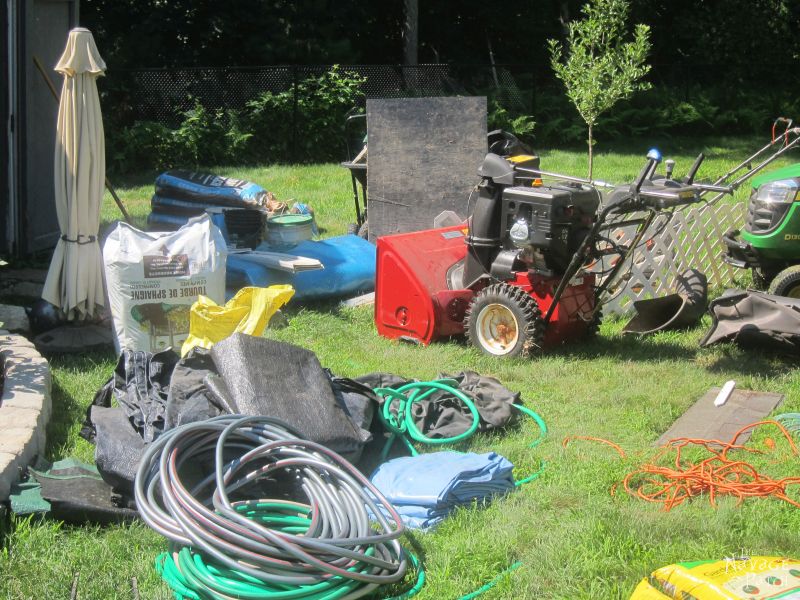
[[521, 125], [209, 137], [664, 111], [272, 129], [313, 129], [144, 145], [304, 125]]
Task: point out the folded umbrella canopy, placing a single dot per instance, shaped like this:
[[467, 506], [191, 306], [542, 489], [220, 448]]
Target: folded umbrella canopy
[[75, 279]]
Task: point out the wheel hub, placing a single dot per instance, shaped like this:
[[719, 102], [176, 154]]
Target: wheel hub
[[498, 330]]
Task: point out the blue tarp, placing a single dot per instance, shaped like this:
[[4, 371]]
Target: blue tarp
[[426, 488]]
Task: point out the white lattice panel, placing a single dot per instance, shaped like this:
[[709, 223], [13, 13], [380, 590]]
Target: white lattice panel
[[692, 239]]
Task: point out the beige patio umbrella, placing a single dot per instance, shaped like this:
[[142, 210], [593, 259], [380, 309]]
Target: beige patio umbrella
[[75, 279]]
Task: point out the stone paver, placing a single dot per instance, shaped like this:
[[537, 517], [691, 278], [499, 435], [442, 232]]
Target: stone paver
[[9, 472], [14, 318], [22, 283], [25, 407]]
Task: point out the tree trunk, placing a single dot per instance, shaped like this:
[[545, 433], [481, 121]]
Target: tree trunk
[[563, 16], [411, 31], [591, 155]]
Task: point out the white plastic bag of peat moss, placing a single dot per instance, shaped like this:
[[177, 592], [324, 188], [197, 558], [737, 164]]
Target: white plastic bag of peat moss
[[154, 278]]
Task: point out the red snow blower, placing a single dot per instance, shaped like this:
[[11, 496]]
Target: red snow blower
[[516, 278]]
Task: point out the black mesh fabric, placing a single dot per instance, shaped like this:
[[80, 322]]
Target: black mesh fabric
[[241, 375], [139, 385], [359, 402], [267, 377], [189, 399], [118, 447]]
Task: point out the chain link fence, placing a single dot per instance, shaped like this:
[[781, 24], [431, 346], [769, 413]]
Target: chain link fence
[[162, 95], [688, 100]]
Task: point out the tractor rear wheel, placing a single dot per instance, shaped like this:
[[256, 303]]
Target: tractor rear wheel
[[504, 320], [787, 283]]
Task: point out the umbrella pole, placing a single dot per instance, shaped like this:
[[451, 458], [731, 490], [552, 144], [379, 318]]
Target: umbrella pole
[[53, 91]]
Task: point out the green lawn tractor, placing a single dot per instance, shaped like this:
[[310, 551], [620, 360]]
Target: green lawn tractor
[[769, 243]]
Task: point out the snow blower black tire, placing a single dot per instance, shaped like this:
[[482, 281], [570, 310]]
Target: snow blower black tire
[[503, 320], [593, 326], [787, 283]]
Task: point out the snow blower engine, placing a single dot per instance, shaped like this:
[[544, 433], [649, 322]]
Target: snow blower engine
[[515, 278]]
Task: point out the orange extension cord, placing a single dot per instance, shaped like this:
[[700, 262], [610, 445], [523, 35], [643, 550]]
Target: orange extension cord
[[718, 475], [569, 438]]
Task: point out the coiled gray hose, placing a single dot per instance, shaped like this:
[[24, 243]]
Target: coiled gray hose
[[239, 542]]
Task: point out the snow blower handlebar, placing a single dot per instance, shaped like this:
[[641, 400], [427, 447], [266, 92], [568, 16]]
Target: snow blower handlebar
[[538, 174], [695, 167], [653, 158], [643, 195]]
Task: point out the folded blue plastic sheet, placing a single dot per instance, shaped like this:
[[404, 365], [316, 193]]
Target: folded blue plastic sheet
[[349, 263], [426, 488]]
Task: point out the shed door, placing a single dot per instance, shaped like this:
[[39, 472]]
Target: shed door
[[46, 25]]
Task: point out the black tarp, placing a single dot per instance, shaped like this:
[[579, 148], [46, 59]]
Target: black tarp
[[755, 320], [241, 375]]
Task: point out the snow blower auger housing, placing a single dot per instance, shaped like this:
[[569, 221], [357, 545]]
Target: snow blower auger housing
[[515, 278]]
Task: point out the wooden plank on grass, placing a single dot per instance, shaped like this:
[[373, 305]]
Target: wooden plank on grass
[[283, 262]]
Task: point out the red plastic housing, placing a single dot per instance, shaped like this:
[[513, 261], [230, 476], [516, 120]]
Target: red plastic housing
[[412, 299]]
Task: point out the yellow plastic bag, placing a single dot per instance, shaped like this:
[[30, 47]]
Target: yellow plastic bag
[[746, 578], [249, 311]]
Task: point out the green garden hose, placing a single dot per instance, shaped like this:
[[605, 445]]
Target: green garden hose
[[397, 417], [185, 571], [328, 553], [486, 587], [340, 542]]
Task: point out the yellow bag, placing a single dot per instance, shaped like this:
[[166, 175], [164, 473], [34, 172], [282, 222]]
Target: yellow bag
[[249, 311], [747, 578]]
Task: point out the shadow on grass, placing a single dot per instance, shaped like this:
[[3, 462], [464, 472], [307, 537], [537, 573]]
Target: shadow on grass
[[627, 348], [332, 307], [68, 411], [754, 362]]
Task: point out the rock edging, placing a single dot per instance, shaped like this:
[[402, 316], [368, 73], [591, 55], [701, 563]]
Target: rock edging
[[25, 407]]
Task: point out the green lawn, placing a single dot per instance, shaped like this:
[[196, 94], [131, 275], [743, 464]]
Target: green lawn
[[574, 539]]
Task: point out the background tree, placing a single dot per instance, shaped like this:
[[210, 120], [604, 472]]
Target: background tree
[[599, 67]]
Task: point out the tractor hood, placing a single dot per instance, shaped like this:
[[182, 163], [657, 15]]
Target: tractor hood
[[789, 172]]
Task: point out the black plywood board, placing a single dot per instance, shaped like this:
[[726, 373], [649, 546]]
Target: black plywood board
[[424, 154], [706, 421]]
